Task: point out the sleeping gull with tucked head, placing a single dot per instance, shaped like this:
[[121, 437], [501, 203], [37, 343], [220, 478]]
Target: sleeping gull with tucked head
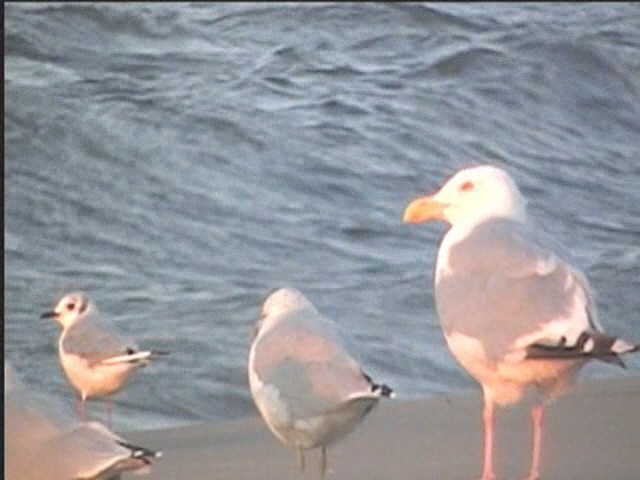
[[97, 361], [44, 442], [309, 390], [517, 317]]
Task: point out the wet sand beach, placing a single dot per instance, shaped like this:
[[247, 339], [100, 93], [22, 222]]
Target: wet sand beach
[[592, 433]]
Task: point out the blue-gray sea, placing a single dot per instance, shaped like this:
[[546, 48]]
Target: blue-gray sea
[[179, 161]]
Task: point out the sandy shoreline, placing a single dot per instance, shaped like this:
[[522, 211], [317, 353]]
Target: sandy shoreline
[[593, 433]]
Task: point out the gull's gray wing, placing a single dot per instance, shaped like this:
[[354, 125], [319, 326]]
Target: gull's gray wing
[[95, 340], [508, 290], [304, 359], [90, 450]]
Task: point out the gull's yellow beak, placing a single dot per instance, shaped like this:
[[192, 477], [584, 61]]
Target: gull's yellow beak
[[424, 209]]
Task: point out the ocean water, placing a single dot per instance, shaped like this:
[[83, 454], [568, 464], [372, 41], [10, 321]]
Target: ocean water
[[180, 161]]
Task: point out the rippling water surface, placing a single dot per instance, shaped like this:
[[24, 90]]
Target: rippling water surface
[[179, 161]]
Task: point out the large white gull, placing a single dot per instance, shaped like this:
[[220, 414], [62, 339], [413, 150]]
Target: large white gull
[[515, 315]]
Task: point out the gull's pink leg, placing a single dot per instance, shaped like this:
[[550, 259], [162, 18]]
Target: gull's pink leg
[[488, 416], [82, 409], [109, 404], [537, 415]]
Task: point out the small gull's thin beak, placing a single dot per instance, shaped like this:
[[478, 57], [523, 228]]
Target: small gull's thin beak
[[424, 209], [50, 314], [257, 326], [255, 330]]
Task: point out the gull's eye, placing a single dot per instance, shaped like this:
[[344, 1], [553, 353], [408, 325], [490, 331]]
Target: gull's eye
[[466, 187], [71, 306]]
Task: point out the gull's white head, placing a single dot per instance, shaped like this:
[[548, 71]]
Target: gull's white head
[[70, 309], [282, 301], [469, 197]]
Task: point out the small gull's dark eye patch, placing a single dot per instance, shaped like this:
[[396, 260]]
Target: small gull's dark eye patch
[[466, 187]]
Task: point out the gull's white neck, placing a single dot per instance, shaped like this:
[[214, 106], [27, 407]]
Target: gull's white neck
[[461, 229]]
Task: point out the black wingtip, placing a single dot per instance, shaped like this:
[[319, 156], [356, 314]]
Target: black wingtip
[[613, 359], [140, 452], [384, 390], [589, 345]]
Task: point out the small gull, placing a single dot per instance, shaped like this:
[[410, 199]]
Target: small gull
[[97, 361], [515, 315], [309, 390], [44, 442]]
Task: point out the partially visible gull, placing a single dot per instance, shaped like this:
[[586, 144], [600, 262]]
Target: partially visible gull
[[44, 442]]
